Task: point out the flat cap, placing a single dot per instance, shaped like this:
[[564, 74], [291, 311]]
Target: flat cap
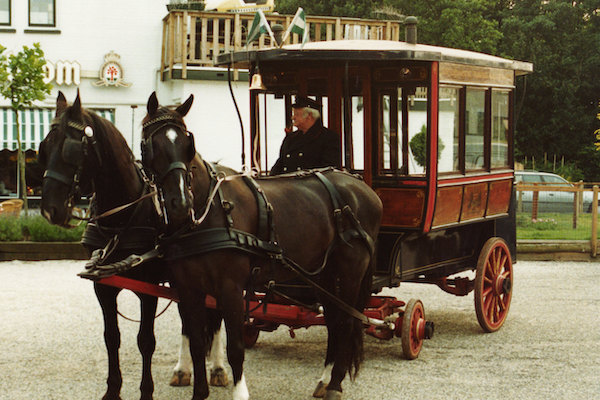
[[302, 102]]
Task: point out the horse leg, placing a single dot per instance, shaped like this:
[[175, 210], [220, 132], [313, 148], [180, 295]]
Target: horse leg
[[321, 388], [218, 376], [147, 343], [182, 373], [193, 313], [107, 297], [232, 306], [348, 331]]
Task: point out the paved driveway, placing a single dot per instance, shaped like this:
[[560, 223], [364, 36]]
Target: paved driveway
[[549, 348]]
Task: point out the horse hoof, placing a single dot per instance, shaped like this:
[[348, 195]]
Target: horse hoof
[[320, 390], [218, 377], [181, 378], [333, 395]]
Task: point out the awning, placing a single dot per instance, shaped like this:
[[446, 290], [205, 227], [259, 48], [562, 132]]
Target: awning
[[35, 124]]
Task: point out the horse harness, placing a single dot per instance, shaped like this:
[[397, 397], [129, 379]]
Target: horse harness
[[195, 240], [74, 152]]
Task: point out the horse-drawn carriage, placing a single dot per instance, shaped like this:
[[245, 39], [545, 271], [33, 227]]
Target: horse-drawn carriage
[[428, 129]]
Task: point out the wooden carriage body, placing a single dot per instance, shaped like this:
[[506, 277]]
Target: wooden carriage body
[[429, 128]]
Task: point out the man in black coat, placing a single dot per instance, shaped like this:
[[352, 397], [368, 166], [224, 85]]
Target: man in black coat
[[311, 145]]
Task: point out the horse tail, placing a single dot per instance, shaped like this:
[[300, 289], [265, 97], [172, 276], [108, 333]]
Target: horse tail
[[357, 335]]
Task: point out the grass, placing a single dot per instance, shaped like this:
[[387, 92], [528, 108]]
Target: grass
[[554, 226]]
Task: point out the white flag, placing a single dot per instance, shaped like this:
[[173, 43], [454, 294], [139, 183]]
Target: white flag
[[298, 26], [259, 26]]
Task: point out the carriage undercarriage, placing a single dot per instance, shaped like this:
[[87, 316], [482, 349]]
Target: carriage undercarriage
[[388, 316]]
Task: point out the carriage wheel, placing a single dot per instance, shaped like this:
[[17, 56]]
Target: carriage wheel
[[250, 334], [493, 284], [413, 329]]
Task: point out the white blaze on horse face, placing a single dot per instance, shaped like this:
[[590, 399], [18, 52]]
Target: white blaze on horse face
[[171, 135], [240, 390]]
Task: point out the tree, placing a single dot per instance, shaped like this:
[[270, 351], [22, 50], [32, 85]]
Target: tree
[[558, 107], [22, 82], [337, 8]]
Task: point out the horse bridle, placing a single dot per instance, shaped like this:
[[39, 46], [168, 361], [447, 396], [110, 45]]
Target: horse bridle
[[74, 152], [148, 150]]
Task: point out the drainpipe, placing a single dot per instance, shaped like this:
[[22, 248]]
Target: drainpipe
[[410, 25]]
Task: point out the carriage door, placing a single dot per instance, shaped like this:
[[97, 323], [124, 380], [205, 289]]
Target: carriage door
[[402, 140]]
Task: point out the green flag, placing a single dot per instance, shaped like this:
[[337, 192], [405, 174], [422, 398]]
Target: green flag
[[259, 26], [298, 26]]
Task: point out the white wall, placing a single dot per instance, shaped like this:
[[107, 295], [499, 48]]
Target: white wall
[[133, 29]]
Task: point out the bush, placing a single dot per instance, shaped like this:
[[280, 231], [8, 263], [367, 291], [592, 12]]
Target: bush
[[37, 229], [40, 230], [10, 229]]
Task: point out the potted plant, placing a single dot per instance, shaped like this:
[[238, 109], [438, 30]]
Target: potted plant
[[197, 5]]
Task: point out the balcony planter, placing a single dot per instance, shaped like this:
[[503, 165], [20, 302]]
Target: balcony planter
[[196, 6]]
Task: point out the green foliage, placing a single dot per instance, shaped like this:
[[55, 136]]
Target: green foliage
[[22, 76], [10, 229], [40, 230], [36, 229], [22, 83], [338, 8], [418, 146]]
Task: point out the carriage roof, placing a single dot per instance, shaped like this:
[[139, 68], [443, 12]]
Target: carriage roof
[[371, 50]]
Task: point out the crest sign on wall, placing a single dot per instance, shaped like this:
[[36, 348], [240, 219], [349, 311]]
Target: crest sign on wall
[[111, 72]]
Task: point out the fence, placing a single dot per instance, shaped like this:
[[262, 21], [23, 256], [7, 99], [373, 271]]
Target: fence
[[553, 212], [196, 38]]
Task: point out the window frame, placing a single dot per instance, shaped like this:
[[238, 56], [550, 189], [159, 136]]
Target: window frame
[[50, 25]]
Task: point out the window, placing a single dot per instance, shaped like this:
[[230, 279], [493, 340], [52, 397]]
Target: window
[[42, 13], [5, 12], [403, 130], [448, 130], [500, 128], [474, 129]]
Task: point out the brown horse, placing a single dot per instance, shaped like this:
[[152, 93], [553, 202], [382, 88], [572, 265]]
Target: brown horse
[[84, 153], [312, 232]]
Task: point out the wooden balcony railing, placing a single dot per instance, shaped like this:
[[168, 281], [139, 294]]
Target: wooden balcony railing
[[196, 38]]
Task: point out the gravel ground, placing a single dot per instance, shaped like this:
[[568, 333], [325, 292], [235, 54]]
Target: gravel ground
[[549, 347]]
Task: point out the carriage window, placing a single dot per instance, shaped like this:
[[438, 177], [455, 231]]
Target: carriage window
[[5, 12], [416, 117], [385, 131], [356, 145], [448, 130], [499, 128], [474, 128], [403, 131], [272, 124], [41, 13]]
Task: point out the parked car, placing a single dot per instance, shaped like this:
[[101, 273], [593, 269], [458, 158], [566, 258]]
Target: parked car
[[550, 201]]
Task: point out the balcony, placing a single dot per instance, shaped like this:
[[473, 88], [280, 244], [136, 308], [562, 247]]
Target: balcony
[[193, 39]]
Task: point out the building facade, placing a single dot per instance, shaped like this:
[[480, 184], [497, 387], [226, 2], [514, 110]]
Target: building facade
[[111, 52]]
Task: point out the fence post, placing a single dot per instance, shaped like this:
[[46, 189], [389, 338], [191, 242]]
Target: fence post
[[594, 244], [534, 203]]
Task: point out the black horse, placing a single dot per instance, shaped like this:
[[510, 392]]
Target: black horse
[[250, 232], [84, 153]]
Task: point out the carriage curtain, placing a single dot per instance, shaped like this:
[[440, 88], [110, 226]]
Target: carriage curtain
[[35, 124]]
